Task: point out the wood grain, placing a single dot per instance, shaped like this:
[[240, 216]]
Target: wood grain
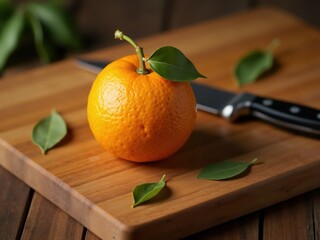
[[242, 228], [91, 236], [290, 220], [94, 187], [46, 221], [316, 213], [279, 218], [305, 10], [15, 197]]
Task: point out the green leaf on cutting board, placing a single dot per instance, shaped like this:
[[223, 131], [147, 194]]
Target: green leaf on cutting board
[[146, 191], [251, 66], [49, 131], [224, 170]]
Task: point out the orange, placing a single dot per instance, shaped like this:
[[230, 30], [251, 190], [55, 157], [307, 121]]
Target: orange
[[140, 117]]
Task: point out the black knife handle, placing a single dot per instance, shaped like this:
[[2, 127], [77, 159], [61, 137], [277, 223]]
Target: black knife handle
[[289, 115]]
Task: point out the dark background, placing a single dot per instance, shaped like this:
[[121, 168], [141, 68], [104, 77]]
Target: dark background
[[98, 19]]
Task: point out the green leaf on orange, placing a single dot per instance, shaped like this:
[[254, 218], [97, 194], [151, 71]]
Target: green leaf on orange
[[170, 63], [146, 191]]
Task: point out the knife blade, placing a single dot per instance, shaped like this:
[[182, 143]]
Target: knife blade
[[231, 106]]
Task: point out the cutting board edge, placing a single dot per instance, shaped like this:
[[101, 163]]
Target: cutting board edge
[[62, 195], [288, 188]]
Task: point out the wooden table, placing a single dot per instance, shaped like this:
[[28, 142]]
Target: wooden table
[[25, 213]]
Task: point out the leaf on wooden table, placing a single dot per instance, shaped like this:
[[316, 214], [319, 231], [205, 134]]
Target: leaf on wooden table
[[224, 169], [146, 191], [49, 131], [170, 63]]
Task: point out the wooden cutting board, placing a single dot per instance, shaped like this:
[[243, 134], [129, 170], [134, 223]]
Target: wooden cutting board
[[95, 188]]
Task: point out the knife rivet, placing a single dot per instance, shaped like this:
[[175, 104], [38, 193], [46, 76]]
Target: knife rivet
[[227, 111], [267, 102], [318, 115], [294, 109]]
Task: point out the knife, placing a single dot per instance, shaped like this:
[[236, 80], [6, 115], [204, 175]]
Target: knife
[[231, 106]]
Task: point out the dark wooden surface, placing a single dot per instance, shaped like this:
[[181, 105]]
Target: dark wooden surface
[[25, 214]]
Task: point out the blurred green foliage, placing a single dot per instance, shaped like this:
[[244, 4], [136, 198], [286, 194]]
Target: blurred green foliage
[[48, 23]]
